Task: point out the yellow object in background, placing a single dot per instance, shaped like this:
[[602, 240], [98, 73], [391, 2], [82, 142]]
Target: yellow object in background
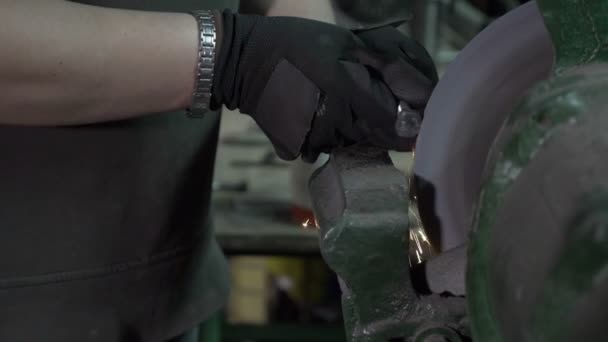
[[255, 279], [250, 290], [308, 277]]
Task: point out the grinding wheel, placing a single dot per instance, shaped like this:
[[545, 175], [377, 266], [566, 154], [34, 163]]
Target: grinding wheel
[[477, 92]]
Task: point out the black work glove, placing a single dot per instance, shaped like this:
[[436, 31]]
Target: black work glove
[[313, 86], [405, 66]]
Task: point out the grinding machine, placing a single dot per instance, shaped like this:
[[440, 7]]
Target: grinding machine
[[511, 180]]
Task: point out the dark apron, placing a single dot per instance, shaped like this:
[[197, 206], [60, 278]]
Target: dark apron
[[105, 229]]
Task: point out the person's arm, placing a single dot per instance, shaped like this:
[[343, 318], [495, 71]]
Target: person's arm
[[308, 84], [68, 63]]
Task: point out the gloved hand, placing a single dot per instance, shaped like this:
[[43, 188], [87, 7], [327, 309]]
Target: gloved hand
[[313, 86]]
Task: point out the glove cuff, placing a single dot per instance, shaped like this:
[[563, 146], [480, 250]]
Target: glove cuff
[[236, 31]]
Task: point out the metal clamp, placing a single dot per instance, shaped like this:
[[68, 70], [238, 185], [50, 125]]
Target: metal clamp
[[361, 204]]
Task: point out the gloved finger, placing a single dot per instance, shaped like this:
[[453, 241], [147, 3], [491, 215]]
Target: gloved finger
[[375, 108], [392, 22], [387, 40], [332, 126], [404, 80]]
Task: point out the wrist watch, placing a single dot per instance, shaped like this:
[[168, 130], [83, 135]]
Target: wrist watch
[[206, 61]]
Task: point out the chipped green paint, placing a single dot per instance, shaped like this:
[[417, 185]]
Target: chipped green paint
[[551, 105], [577, 272], [531, 131], [579, 30]]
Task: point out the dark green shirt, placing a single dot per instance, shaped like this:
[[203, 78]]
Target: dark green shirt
[[105, 229]]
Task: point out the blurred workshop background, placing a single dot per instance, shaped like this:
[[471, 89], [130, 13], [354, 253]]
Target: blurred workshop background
[[281, 288]]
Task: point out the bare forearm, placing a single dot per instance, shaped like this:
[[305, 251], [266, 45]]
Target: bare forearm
[[67, 63]]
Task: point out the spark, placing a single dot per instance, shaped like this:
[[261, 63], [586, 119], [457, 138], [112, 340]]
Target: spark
[[424, 237], [310, 224], [418, 245]]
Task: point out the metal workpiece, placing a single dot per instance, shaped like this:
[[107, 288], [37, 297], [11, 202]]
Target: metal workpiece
[[445, 273], [538, 259], [361, 204], [408, 121]]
